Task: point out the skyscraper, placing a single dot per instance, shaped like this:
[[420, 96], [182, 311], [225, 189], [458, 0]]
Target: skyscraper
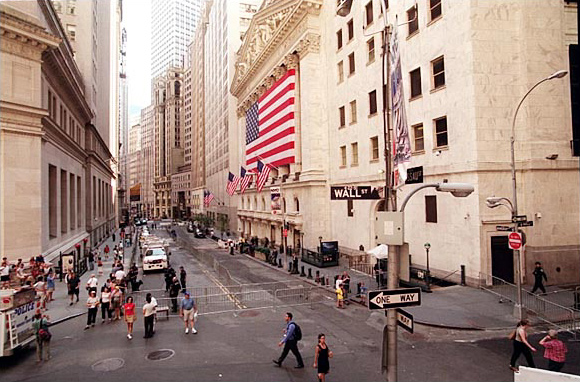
[[173, 24]]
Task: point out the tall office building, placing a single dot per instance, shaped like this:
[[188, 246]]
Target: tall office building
[[173, 24], [123, 131], [228, 22]]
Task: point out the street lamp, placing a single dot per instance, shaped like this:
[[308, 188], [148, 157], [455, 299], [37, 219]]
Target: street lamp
[[513, 204]]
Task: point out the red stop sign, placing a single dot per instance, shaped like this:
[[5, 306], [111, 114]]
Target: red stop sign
[[515, 240]]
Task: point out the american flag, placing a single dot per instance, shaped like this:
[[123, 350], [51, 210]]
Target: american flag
[[270, 125], [207, 197], [232, 184], [263, 173], [246, 177]]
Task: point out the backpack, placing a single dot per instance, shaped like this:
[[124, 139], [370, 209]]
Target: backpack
[[43, 333], [297, 332]]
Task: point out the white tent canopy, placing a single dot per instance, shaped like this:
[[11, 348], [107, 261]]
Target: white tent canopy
[[380, 252]]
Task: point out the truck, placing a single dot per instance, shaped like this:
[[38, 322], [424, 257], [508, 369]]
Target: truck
[[17, 310]]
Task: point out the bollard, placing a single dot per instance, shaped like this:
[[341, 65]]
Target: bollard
[[327, 280], [302, 274], [463, 275], [317, 279], [309, 273], [279, 263], [322, 280]]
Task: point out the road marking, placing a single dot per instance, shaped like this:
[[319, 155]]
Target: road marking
[[231, 297]]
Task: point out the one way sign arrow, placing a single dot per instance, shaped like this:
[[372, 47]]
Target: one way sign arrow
[[394, 298]]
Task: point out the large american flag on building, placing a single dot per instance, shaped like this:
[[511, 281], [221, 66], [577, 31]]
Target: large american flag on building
[[232, 184], [246, 177], [263, 174], [207, 197], [270, 125]]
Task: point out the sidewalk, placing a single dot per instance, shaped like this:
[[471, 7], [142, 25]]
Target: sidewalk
[[59, 310]]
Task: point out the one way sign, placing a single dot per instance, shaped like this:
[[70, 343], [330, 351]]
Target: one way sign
[[394, 298]]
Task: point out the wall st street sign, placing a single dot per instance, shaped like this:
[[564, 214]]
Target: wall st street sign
[[394, 298], [356, 192]]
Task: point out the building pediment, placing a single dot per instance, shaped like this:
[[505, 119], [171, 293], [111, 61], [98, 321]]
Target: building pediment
[[271, 25]]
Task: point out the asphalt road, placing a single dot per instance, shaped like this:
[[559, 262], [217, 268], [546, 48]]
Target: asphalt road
[[240, 347]]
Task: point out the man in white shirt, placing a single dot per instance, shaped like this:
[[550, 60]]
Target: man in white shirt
[[149, 316], [120, 275], [92, 284]]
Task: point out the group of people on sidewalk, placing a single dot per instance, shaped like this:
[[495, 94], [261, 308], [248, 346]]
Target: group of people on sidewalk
[[555, 349]]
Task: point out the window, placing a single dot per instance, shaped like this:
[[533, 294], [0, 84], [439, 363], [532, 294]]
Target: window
[[418, 138], [351, 64], [340, 68], [374, 148], [343, 156], [369, 12], [350, 27], [413, 20], [354, 148], [435, 9], [342, 116], [441, 132], [339, 39], [72, 31], [438, 69], [431, 208], [415, 77], [353, 111], [371, 50], [350, 208], [73, 207], [79, 204], [373, 102]]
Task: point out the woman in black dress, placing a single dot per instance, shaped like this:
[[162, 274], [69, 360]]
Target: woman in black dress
[[321, 357]]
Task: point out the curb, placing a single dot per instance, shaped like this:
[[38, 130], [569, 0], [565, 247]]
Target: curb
[[61, 320]]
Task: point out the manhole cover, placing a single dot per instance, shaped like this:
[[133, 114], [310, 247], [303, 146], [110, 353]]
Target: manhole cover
[[159, 355], [249, 313], [109, 364]]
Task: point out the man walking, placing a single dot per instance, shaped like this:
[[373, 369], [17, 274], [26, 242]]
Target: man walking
[[292, 334], [539, 274], [92, 284], [72, 282], [91, 260], [188, 311]]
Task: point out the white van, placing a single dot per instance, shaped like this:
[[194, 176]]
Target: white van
[[155, 258]]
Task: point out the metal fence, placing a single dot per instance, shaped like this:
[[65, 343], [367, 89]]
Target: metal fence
[[564, 318]]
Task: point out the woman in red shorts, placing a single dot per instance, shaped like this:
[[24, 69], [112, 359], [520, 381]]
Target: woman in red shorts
[[129, 309]]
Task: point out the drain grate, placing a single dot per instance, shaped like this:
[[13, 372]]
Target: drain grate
[[160, 355], [109, 364]]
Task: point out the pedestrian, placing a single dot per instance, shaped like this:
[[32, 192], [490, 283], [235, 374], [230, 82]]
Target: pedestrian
[[116, 298], [40, 324], [321, 358], [339, 296], [5, 273], [174, 290], [72, 282], [50, 286], [521, 345], [21, 273], [105, 304], [189, 313], [346, 284], [148, 316], [555, 351], [106, 250], [232, 247], [182, 277], [294, 262], [114, 237], [169, 275], [91, 260], [92, 284], [129, 310], [539, 277], [40, 289], [292, 334], [100, 265], [93, 305]]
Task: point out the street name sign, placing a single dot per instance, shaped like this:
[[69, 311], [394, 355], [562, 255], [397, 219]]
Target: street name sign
[[356, 192], [515, 240], [519, 218], [529, 223], [503, 228], [394, 298], [405, 320], [414, 175]]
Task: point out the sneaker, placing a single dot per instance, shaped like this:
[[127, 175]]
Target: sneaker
[[103, 321], [70, 304], [87, 327], [186, 330], [278, 363], [128, 336], [193, 331], [514, 369], [299, 367]]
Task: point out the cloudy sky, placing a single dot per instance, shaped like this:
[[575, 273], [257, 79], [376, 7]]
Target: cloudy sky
[[137, 22]]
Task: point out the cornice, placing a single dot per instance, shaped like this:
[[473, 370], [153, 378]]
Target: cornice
[[54, 134], [271, 26]]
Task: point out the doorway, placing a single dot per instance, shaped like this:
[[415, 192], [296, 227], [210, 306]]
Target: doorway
[[502, 259]]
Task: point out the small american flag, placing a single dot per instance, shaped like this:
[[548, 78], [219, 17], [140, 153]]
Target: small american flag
[[232, 184], [270, 125], [207, 197], [263, 173], [246, 178]]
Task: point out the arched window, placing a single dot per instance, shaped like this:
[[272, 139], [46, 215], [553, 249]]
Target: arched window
[[296, 205]]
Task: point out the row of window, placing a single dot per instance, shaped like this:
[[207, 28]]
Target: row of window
[[435, 12], [353, 110], [440, 131], [246, 203], [437, 77], [374, 152], [430, 208], [64, 118]]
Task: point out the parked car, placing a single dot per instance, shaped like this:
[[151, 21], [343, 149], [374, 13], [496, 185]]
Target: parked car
[[155, 259], [199, 233]]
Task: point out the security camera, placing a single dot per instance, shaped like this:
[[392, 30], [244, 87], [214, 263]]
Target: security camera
[[437, 153]]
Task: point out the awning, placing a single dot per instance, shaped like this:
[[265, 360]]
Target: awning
[[380, 252]]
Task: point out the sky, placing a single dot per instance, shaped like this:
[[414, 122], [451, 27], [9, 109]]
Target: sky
[[137, 22]]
